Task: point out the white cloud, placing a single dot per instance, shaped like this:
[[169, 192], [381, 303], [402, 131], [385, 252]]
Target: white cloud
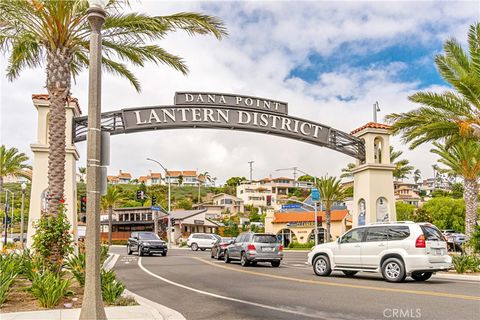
[[267, 40]]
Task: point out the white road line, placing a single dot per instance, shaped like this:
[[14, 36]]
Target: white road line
[[228, 298]]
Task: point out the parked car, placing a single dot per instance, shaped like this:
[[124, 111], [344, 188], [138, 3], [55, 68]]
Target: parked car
[[146, 243], [202, 241], [251, 248], [395, 250], [454, 239], [219, 247]]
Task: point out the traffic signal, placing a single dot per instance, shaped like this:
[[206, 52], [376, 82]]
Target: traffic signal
[[154, 200], [172, 221], [83, 204], [269, 201], [140, 195]]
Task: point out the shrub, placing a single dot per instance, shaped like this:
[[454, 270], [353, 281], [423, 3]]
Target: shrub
[[52, 239], [475, 240], [49, 287], [296, 245], [103, 254], [460, 263], [31, 264], [8, 273], [183, 244], [112, 289], [120, 242], [76, 265]]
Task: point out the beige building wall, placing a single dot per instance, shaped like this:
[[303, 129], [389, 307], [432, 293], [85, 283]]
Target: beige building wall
[[40, 167], [373, 179]]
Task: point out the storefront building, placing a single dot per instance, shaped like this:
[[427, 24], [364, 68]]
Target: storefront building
[[300, 226]]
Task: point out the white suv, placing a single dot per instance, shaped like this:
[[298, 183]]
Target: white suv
[[396, 250], [202, 241]]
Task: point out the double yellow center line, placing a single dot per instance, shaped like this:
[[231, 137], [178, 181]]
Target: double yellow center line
[[345, 285]]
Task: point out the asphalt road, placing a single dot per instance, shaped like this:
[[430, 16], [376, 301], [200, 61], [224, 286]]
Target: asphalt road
[[203, 288]]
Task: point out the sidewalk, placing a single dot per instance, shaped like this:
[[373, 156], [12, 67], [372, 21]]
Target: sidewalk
[[456, 276]]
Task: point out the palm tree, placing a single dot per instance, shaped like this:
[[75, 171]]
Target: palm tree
[[347, 172], [417, 175], [12, 162], [452, 114], [331, 191], [82, 171], [55, 34], [203, 178], [180, 180], [463, 158], [109, 200]]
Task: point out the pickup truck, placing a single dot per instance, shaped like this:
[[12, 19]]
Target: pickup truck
[[146, 243]]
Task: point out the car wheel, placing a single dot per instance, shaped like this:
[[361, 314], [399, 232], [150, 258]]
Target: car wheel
[[421, 276], [349, 273], [226, 257], [164, 254], [253, 263], [275, 264], [129, 250], [217, 255], [321, 266], [203, 249], [140, 251], [194, 247], [243, 260], [393, 270]]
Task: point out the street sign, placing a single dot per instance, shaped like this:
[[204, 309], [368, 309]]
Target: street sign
[[291, 206], [315, 194], [155, 208]]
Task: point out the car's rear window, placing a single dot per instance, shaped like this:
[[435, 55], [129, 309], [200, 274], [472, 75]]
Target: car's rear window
[[264, 238], [432, 233], [398, 232]]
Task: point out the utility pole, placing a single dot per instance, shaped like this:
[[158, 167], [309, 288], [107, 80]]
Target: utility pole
[[251, 169], [376, 108], [24, 188]]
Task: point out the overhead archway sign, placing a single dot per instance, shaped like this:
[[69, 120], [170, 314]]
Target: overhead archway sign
[[225, 111]]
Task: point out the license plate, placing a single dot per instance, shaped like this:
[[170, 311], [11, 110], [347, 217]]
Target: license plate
[[268, 249], [437, 252]]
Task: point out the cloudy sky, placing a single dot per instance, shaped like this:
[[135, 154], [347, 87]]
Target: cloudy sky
[[329, 60]]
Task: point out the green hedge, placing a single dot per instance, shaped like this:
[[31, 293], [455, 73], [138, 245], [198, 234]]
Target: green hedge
[[296, 245]]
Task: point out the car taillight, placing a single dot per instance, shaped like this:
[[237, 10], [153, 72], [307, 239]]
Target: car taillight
[[251, 247], [420, 243], [281, 248]]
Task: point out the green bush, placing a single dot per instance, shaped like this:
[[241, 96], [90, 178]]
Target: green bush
[[466, 263], [49, 287], [120, 242], [475, 240], [8, 273], [52, 239], [112, 289], [183, 244], [296, 245], [76, 265], [31, 264], [103, 254]]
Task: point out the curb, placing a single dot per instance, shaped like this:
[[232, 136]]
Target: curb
[[457, 277], [158, 311]]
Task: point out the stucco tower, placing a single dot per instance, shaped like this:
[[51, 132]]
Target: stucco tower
[[373, 195], [40, 165]]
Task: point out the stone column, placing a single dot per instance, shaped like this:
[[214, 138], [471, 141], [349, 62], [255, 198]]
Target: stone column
[[40, 165]]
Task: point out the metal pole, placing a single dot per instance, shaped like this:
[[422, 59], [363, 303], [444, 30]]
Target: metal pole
[[6, 216], [92, 306], [21, 217], [316, 224], [12, 209], [169, 233]]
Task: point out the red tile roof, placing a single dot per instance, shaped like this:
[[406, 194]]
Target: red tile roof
[[182, 173], [284, 217], [282, 178], [372, 125], [44, 96]]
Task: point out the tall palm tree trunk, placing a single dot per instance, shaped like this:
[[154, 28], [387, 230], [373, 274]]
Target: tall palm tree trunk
[[470, 197], [110, 212], [58, 86]]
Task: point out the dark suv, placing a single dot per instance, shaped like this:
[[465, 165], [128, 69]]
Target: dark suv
[[146, 243]]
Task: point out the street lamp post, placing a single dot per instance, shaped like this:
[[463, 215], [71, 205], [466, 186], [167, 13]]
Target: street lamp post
[[24, 188], [11, 207], [92, 306], [169, 224]]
